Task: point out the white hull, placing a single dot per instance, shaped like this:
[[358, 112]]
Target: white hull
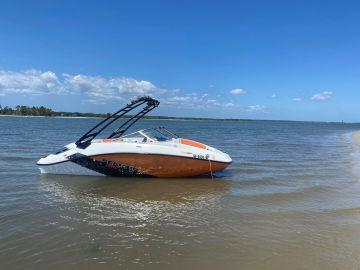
[[69, 168]]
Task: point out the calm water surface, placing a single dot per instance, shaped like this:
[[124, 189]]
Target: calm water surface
[[290, 200]]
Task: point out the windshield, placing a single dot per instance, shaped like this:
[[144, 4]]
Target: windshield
[[159, 134], [137, 134], [156, 135]]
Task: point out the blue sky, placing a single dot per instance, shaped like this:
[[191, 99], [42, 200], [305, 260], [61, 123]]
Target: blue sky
[[254, 59]]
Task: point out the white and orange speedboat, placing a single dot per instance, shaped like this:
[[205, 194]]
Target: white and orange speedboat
[[153, 152]]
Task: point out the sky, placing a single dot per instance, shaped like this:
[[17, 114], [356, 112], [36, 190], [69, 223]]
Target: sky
[[290, 60]]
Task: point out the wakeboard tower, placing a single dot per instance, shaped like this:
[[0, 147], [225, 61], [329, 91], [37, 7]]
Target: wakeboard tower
[[154, 152]]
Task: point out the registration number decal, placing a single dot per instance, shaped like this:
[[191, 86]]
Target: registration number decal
[[206, 157]]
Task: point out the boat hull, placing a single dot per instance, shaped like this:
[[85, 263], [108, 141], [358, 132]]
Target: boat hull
[[162, 165], [131, 164]]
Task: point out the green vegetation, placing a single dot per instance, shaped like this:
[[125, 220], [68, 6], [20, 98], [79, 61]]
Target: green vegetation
[[43, 111], [25, 110]]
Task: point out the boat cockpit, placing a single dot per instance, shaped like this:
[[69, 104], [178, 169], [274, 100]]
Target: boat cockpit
[[158, 134]]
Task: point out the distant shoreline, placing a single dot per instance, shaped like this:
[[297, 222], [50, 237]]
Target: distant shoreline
[[44, 116], [26, 111], [168, 118], [144, 118]]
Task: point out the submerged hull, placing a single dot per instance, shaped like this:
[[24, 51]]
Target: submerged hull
[[130, 164]]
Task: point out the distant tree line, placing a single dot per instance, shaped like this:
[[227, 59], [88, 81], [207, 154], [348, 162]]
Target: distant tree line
[[25, 110], [43, 111]]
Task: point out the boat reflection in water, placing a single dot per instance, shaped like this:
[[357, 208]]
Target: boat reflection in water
[[129, 202]]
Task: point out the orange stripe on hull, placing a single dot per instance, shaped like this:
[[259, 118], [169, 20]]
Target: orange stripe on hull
[[193, 143], [164, 165]]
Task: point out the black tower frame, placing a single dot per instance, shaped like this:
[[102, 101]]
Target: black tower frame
[[150, 104]]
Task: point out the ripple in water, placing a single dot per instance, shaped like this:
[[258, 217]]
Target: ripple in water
[[289, 201]]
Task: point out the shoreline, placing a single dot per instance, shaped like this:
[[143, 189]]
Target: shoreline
[[151, 119], [165, 118], [43, 116]]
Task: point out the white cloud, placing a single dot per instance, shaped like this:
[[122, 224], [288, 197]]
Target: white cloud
[[113, 88], [238, 91], [189, 100], [273, 96], [256, 108], [36, 82], [297, 99], [95, 101], [100, 90], [325, 95], [211, 101], [33, 82], [229, 105], [195, 100]]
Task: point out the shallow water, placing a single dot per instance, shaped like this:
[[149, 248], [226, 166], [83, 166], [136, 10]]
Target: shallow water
[[290, 200]]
